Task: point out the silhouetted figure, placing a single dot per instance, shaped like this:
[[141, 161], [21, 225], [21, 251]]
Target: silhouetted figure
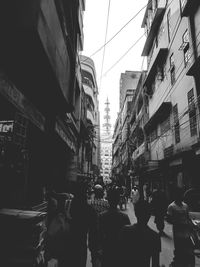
[[111, 222], [139, 244], [123, 199], [135, 195], [99, 203], [84, 229], [58, 229], [159, 208], [178, 215], [192, 198], [51, 206]]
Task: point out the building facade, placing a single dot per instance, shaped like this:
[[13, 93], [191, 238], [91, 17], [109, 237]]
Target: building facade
[[40, 96], [121, 150], [172, 130], [90, 150]]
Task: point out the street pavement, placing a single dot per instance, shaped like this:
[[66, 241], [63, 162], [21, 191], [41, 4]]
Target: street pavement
[[166, 255]]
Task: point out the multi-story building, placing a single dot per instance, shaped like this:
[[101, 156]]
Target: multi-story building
[[138, 150], [116, 155], [106, 146], [128, 84], [91, 147], [128, 81], [173, 127], [191, 10], [40, 91]]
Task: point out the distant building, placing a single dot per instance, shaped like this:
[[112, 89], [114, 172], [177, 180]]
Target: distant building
[[106, 146], [90, 151], [121, 155], [128, 81]]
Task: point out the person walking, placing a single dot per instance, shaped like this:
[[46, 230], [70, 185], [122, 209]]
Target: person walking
[[139, 244], [135, 195], [178, 215], [84, 227], [159, 208], [58, 237], [99, 203], [111, 222]]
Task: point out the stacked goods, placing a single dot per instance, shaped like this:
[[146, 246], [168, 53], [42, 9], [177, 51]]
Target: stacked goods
[[22, 237]]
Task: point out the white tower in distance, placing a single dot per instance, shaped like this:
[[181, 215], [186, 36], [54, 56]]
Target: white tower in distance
[[106, 145]]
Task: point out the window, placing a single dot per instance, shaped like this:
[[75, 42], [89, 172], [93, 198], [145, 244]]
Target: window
[[172, 69], [176, 124], [161, 32], [160, 73], [153, 135], [186, 47], [165, 125], [192, 113], [169, 25]]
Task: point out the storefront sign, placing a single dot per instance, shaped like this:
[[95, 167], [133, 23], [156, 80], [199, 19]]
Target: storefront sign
[[6, 126], [62, 133], [176, 162], [8, 90]]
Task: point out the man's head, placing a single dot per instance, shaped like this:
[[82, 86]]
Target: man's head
[[98, 191], [178, 194], [113, 196], [142, 212]]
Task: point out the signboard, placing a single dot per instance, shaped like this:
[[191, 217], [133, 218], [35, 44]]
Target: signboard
[[10, 92], [6, 126], [62, 132], [20, 129]]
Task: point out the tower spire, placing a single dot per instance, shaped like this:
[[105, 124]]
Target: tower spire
[[107, 125]]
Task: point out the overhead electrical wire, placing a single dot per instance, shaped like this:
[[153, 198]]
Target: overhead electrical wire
[[134, 45], [107, 42], [104, 48], [124, 54]]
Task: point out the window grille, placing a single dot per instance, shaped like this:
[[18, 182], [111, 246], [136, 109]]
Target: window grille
[[192, 113]]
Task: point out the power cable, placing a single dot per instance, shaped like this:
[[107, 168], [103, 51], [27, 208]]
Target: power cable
[[104, 48], [136, 43], [100, 48], [123, 55]]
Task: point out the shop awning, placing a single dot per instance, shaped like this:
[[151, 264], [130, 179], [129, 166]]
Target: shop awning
[[159, 60]]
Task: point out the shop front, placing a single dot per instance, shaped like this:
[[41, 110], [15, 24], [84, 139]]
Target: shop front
[[22, 149], [63, 158]]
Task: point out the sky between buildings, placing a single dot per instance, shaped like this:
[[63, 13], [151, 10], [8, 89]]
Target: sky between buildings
[[95, 18]]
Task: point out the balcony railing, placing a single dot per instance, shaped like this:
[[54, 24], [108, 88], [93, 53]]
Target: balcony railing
[[161, 113], [156, 21], [157, 60]]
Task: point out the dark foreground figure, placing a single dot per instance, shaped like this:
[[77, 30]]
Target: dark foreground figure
[[139, 244], [111, 223]]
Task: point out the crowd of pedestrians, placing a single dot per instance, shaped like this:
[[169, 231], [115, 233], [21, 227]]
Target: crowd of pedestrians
[[95, 221]]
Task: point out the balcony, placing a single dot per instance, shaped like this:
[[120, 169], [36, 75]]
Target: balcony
[[156, 21], [158, 60], [34, 53], [89, 91], [90, 117], [161, 113], [138, 152]]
